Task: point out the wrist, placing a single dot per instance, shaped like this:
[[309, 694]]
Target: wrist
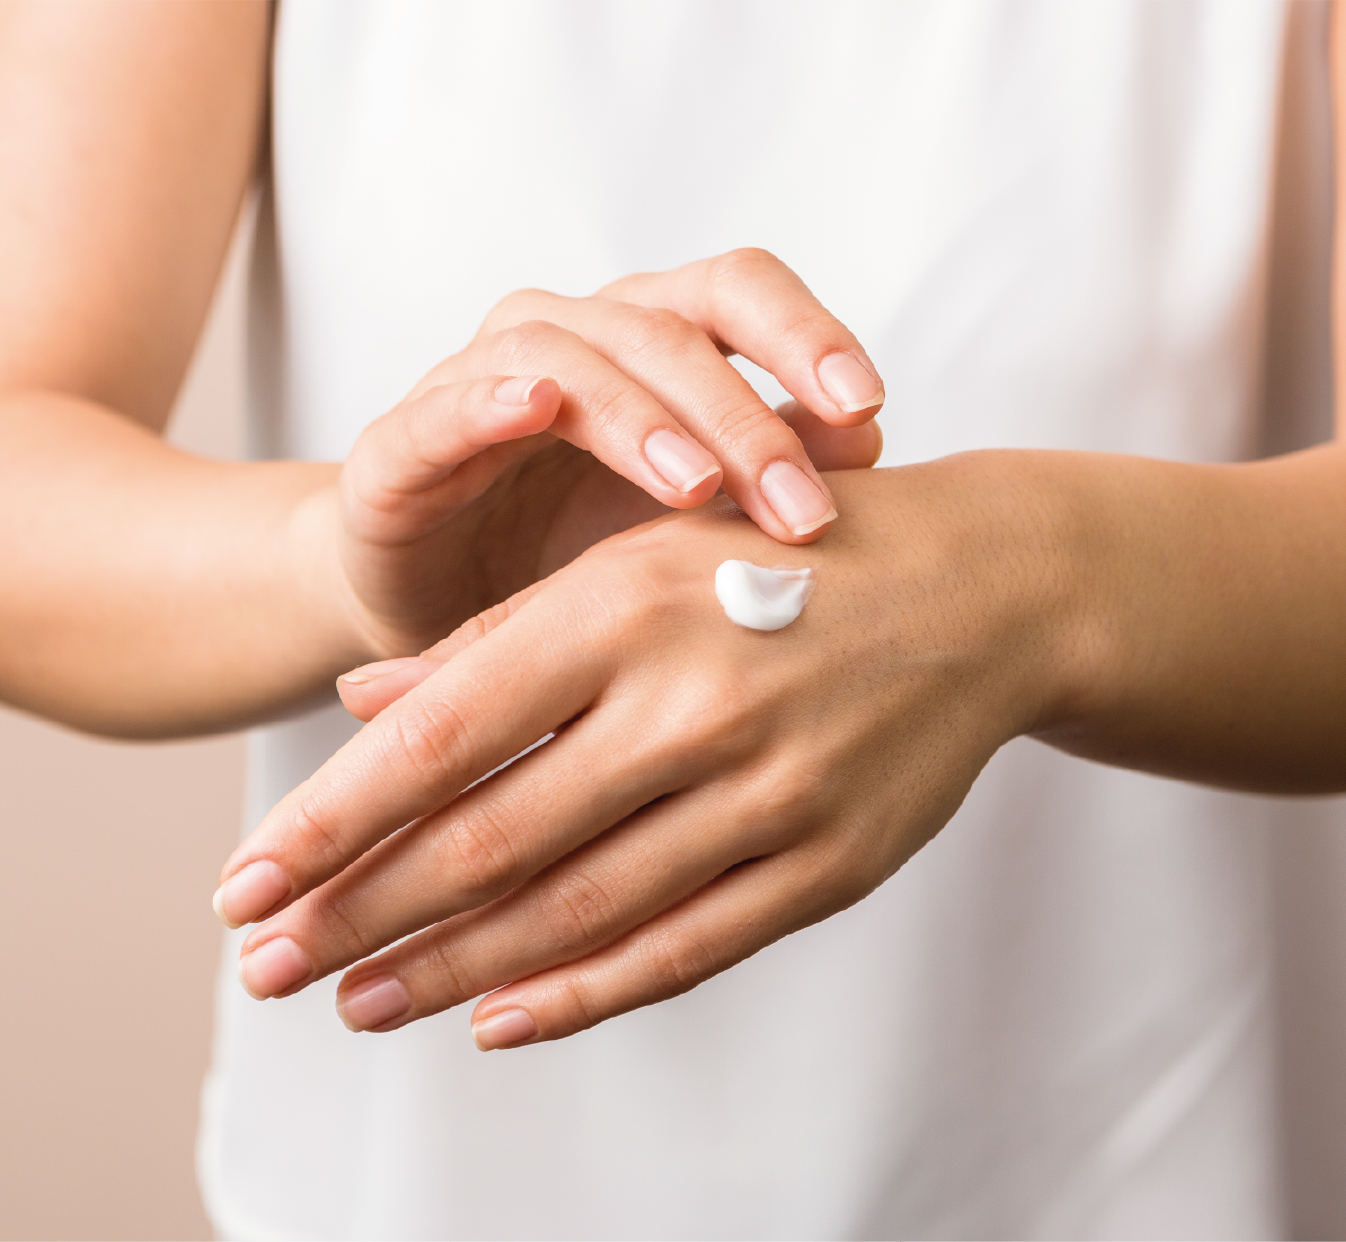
[[1016, 551], [331, 621]]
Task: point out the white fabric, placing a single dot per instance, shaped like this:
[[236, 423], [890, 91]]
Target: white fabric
[[1047, 223]]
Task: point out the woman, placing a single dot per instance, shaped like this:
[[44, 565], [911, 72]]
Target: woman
[[1045, 226]]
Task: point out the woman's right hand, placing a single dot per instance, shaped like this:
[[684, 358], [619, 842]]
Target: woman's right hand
[[569, 419]]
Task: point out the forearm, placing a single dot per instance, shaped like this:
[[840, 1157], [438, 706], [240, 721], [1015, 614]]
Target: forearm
[[1206, 632], [145, 592]]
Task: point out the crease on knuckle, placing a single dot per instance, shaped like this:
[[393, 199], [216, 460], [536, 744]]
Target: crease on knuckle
[[807, 327], [521, 343], [655, 332], [575, 998], [437, 959], [579, 912], [308, 824], [608, 411], [744, 421], [429, 739], [331, 912], [478, 852], [678, 961]]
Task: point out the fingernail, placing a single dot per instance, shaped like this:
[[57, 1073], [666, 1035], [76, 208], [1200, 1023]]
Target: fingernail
[[272, 967], [253, 891], [848, 382], [367, 672], [682, 463], [506, 1029], [372, 1003], [795, 498], [516, 391]]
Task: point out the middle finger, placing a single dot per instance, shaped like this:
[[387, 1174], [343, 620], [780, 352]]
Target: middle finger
[[766, 470], [484, 844], [647, 864]]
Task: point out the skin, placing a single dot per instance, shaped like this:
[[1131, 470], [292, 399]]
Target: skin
[[156, 594], [709, 789]]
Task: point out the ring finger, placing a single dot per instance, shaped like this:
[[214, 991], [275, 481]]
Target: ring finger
[[652, 861]]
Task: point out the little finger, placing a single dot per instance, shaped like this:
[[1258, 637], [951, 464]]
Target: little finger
[[651, 861], [734, 917]]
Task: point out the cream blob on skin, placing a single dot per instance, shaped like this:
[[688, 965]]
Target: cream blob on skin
[[762, 599]]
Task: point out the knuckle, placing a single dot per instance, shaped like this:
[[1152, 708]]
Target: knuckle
[[791, 790], [745, 421], [332, 913], [478, 850], [453, 979], [611, 406], [743, 261], [315, 835], [520, 343], [677, 961], [510, 309], [573, 998], [427, 740], [805, 329], [579, 912], [713, 707], [656, 331]]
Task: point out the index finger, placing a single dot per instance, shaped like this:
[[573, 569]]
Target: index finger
[[475, 714], [749, 302]]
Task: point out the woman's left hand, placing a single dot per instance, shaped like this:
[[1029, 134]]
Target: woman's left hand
[[709, 790]]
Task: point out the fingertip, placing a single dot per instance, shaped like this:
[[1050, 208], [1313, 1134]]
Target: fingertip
[[852, 386], [250, 892], [521, 405], [367, 690], [684, 465]]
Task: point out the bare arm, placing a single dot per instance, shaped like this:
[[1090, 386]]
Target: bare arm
[[141, 590], [711, 790], [145, 592]]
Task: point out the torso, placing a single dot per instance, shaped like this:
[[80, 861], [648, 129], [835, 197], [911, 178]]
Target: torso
[[1046, 222]]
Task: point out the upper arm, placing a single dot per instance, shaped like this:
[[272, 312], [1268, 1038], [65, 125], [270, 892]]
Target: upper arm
[[1337, 35], [129, 133]]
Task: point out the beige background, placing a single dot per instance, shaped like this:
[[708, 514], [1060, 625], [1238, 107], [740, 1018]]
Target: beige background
[[108, 946]]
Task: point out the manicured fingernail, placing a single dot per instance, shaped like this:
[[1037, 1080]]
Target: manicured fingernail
[[373, 1003], [795, 498], [848, 382], [516, 391], [253, 891], [506, 1029], [367, 672], [682, 463], [272, 967]]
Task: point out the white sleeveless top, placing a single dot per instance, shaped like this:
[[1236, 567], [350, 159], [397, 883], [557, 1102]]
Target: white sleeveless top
[[1046, 221]]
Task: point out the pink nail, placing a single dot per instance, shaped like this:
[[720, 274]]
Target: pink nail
[[848, 382], [273, 967], [516, 391], [795, 498], [251, 892], [368, 672], [506, 1029], [373, 1003], [682, 463]]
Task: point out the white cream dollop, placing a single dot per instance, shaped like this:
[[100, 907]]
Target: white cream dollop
[[762, 599]]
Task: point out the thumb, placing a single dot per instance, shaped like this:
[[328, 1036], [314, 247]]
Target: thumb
[[440, 449]]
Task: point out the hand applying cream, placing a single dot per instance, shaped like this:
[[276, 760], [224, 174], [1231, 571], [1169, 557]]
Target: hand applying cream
[[762, 599]]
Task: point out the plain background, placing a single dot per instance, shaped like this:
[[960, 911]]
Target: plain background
[[108, 947]]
